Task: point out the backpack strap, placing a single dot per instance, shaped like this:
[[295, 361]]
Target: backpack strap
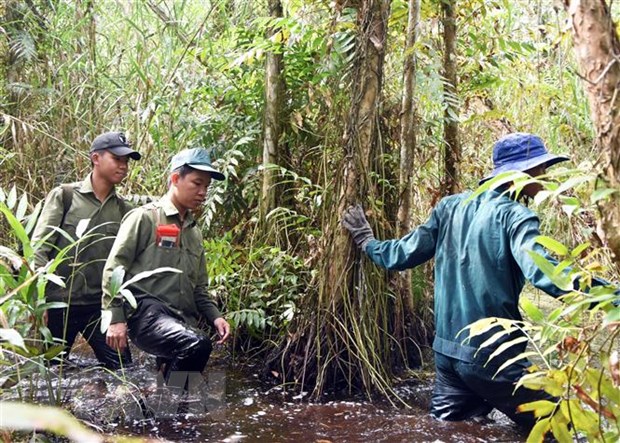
[[67, 199]]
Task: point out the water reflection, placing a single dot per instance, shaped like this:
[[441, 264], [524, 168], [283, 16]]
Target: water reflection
[[236, 407]]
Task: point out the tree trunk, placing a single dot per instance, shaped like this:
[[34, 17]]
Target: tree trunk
[[597, 48], [451, 126], [342, 339], [404, 311], [271, 128]]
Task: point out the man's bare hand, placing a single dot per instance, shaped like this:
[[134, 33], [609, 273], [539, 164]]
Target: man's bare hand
[[116, 337], [223, 329]]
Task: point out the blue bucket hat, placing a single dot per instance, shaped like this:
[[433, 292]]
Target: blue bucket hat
[[520, 151], [197, 158]]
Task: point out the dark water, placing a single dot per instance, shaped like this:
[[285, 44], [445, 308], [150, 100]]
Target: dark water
[[236, 407]]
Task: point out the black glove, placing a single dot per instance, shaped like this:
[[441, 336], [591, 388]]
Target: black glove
[[355, 221]]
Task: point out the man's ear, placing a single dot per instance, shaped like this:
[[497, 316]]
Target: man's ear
[[174, 178], [94, 157]]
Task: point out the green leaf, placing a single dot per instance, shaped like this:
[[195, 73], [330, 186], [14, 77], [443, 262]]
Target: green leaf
[[559, 428], [147, 274], [512, 360], [531, 310], [579, 249], [612, 316], [582, 420], [116, 280], [28, 417], [486, 324], [12, 198], [507, 345], [20, 212], [55, 279], [541, 408], [129, 297], [13, 337], [18, 230], [552, 245], [601, 194], [561, 281], [537, 434], [106, 320]]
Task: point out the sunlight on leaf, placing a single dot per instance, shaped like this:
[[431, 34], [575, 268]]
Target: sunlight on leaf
[[106, 320]]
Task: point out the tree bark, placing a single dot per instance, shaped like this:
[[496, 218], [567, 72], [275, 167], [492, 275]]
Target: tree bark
[[452, 148], [597, 49], [408, 129], [271, 127], [342, 340]]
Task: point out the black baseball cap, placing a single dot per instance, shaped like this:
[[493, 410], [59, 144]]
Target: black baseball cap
[[116, 143]]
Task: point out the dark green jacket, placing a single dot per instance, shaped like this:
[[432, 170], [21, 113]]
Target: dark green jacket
[[481, 263], [96, 223], [137, 251]]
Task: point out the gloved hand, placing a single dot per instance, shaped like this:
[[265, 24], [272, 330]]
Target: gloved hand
[[355, 221]]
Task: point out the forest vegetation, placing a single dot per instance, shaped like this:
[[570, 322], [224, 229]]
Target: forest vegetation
[[309, 107]]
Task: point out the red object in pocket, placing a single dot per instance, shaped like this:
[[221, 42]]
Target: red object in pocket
[[167, 236]]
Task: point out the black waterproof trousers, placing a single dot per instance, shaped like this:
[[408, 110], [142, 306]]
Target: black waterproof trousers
[[182, 349], [65, 323], [466, 390]]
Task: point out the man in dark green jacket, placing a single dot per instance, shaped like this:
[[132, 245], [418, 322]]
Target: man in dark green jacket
[[481, 265], [89, 209], [169, 305]]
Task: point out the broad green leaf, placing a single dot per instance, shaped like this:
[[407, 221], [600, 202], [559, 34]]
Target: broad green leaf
[[579, 249], [612, 316], [540, 381], [106, 320], [147, 274], [51, 305], [127, 294], [22, 207], [32, 218], [27, 417], [601, 194], [540, 197], [561, 281], [12, 256], [12, 198], [552, 245], [582, 419], [499, 180], [116, 280], [531, 310], [573, 182], [537, 434], [17, 230], [541, 408], [13, 337], [559, 428], [55, 279]]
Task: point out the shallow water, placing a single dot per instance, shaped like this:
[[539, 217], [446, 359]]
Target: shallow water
[[236, 407]]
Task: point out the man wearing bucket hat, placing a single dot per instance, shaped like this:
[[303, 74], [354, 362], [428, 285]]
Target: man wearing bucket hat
[[90, 206], [169, 305], [481, 256]]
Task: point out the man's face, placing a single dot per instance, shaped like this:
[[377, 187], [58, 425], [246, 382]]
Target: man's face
[[190, 190], [111, 167], [532, 189]]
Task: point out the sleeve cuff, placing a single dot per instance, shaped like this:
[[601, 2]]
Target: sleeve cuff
[[118, 314]]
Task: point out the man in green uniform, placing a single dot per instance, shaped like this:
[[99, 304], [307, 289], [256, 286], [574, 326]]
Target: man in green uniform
[[92, 208], [169, 305], [481, 265]]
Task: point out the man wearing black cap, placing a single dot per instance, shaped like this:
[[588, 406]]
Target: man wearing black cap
[[481, 248], [90, 212]]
